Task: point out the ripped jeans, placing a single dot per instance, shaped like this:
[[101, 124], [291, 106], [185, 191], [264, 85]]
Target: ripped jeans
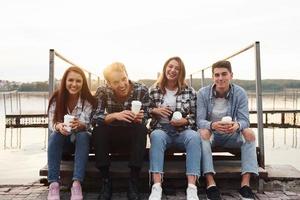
[[188, 139], [235, 140]]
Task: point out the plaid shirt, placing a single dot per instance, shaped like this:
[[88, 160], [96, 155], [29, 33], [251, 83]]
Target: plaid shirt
[[108, 104], [185, 103], [82, 112]]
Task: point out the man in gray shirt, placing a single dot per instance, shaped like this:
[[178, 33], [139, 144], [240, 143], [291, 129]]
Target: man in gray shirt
[[223, 120]]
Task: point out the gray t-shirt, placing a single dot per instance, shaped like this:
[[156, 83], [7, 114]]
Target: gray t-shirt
[[220, 109]]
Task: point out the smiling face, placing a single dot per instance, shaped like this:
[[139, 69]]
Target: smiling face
[[74, 82], [119, 83], [172, 70], [222, 78]]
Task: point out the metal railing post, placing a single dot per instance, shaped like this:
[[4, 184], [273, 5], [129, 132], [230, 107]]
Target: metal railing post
[[203, 77], [51, 72], [90, 81], [4, 103], [259, 105], [191, 80]]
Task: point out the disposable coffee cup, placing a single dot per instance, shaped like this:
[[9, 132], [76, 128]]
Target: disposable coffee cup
[[67, 120], [226, 120], [176, 115], [136, 106]]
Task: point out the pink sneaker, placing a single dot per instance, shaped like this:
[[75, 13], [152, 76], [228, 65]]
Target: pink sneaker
[[53, 193], [76, 192]]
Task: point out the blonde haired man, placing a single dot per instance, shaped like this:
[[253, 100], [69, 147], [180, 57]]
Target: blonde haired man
[[115, 124]]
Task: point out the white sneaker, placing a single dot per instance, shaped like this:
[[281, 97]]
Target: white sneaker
[[191, 192], [156, 192]]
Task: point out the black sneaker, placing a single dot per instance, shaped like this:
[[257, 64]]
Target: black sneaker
[[246, 193], [213, 193], [132, 192], [106, 190]]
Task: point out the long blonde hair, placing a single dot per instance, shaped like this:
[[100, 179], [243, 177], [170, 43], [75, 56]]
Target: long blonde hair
[[162, 80]]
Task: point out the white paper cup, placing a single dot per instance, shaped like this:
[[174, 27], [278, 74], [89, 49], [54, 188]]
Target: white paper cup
[[226, 119], [176, 115], [136, 106], [67, 120]]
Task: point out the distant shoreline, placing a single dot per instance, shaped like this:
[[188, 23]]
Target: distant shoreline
[[268, 85]]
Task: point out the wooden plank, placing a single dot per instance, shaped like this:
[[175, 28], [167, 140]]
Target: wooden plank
[[173, 169]]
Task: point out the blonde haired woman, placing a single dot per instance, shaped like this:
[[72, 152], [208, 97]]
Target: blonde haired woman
[[169, 94]]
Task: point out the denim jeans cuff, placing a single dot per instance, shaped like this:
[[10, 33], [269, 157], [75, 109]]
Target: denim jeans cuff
[[159, 172], [193, 174], [250, 172], [209, 172], [53, 180], [77, 179]]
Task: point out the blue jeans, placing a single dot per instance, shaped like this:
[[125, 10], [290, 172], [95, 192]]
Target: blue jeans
[[235, 140], [186, 139], [57, 144]]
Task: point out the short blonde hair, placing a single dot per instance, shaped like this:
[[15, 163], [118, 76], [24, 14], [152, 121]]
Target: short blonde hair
[[114, 67]]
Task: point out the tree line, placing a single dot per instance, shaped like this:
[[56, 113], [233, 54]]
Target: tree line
[[249, 85]]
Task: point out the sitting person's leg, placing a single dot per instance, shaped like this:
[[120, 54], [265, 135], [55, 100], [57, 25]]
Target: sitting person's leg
[[100, 140], [82, 148], [159, 141], [249, 163], [248, 151], [212, 192], [191, 142], [246, 141], [207, 160], [137, 133], [55, 148]]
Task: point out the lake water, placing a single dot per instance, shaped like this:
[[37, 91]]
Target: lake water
[[23, 151]]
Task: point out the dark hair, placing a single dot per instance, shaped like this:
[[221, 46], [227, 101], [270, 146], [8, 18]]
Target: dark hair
[[162, 80], [222, 64], [61, 95]]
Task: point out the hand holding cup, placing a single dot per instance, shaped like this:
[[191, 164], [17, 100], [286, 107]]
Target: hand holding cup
[[67, 121], [136, 107]]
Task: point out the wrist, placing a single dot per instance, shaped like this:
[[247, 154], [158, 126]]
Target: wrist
[[56, 128], [211, 126]]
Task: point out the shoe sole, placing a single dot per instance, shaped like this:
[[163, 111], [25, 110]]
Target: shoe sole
[[243, 198]]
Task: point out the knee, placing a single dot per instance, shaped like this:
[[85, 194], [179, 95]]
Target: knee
[[156, 137], [83, 136], [248, 135], [193, 136], [205, 134]]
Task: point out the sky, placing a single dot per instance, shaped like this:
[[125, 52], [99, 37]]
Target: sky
[[144, 34]]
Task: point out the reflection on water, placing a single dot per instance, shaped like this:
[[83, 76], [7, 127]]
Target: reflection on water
[[23, 151]]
